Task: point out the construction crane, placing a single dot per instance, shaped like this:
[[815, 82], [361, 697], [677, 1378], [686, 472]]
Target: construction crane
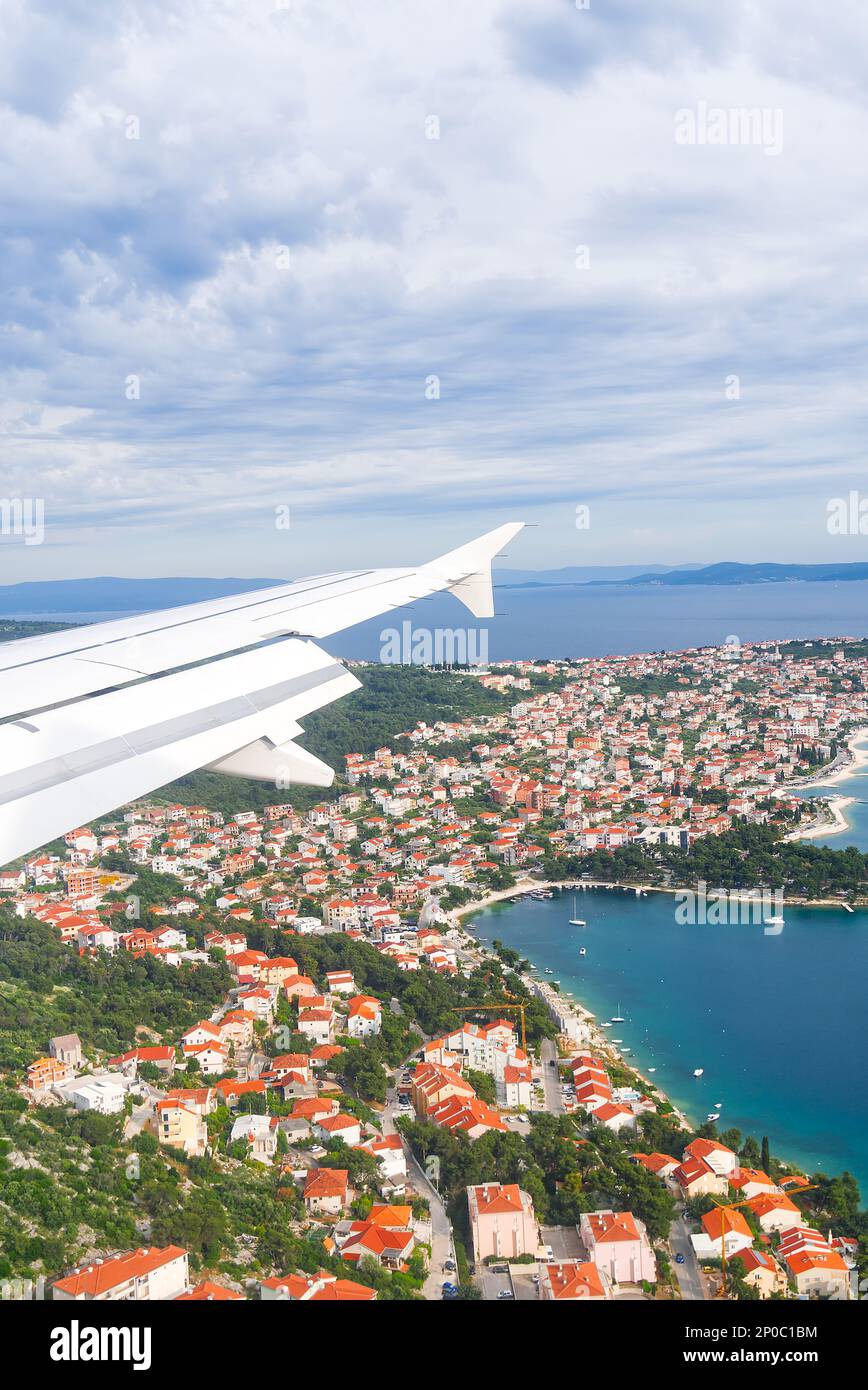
[[498, 1009], [730, 1206]]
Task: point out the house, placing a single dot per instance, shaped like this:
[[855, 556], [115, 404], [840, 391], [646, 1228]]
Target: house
[[388, 1150], [502, 1221], [209, 1292], [775, 1211], [614, 1117], [364, 1016], [468, 1115], [389, 1246], [763, 1273], [145, 1275], [314, 1288], [661, 1165], [571, 1280], [341, 982], [694, 1178], [66, 1048], [260, 1132], [751, 1182], [344, 1127], [515, 1087], [317, 1024], [103, 1094], [726, 1226], [46, 1072], [815, 1268], [719, 1158], [327, 1191], [433, 1084], [618, 1244], [181, 1126], [161, 1056]]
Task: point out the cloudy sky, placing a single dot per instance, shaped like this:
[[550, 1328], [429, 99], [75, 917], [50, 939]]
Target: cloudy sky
[[410, 270]]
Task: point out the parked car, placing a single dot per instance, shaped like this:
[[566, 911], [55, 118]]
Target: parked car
[[447, 1288], [506, 1293], [679, 1258]]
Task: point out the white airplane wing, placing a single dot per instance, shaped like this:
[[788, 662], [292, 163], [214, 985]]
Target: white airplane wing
[[92, 718]]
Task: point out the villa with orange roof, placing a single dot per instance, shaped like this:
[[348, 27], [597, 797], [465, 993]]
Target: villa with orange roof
[[570, 1280], [618, 1244], [502, 1221]]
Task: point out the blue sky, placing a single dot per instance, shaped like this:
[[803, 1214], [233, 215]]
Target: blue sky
[[239, 206]]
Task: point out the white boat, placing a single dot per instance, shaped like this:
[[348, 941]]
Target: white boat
[[651, 1069], [549, 971], [605, 1025], [618, 1017], [576, 920], [698, 1071], [774, 921], [617, 1040], [847, 907], [582, 951], [712, 1116]]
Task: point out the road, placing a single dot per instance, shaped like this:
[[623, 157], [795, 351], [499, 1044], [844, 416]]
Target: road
[[551, 1077], [689, 1275], [442, 1248]]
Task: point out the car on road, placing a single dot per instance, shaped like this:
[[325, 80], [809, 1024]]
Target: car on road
[[679, 1258], [447, 1288], [449, 1266], [505, 1293]]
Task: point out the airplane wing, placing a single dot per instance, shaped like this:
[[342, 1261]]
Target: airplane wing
[[92, 718]]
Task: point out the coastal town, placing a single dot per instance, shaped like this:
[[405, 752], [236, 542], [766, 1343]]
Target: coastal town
[[429, 1116]]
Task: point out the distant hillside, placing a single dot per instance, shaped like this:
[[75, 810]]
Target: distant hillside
[[729, 573], [580, 574]]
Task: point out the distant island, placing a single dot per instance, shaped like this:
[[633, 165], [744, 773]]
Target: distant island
[[724, 574], [104, 595]]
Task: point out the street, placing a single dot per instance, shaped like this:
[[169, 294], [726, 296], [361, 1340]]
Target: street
[[551, 1077], [689, 1275]]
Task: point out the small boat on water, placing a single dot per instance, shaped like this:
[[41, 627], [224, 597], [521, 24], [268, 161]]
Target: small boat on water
[[651, 1069], [698, 1071], [847, 907], [582, 951], [712, 1116], [776, 921], [618, 1017], [605, 1025]]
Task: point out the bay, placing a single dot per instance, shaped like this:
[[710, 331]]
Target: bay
[[778, 1023]]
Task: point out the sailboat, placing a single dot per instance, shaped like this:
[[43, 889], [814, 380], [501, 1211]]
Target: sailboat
[[618, 1017], [576, 920]]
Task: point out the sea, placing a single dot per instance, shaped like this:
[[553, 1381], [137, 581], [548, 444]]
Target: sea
[[776, 1022], [609, 619]]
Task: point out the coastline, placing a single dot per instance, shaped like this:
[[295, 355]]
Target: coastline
[[854, 759], [597, 1037]]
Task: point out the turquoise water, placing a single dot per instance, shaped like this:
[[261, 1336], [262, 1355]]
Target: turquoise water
[[778, 1022]]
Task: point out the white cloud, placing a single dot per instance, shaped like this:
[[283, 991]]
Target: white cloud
[[260, 128]]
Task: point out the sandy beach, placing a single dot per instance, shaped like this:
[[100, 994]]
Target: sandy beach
[[855, 759]]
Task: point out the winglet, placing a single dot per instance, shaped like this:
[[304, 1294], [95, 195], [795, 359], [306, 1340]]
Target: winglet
[[469, 568]]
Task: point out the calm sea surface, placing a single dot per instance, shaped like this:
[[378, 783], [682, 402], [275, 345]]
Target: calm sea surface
[[778, 1023]]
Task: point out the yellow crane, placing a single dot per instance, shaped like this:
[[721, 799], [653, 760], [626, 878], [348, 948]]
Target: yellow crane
[[497, 1009], [730, 1206]]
